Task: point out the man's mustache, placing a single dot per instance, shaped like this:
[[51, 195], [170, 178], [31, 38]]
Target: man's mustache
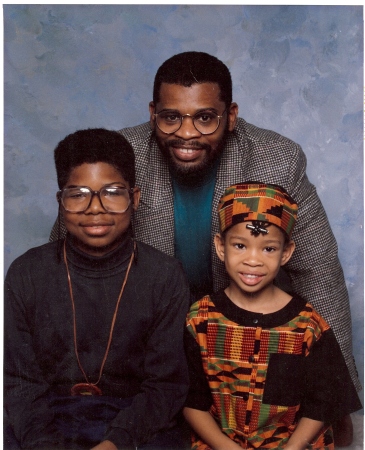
[[194, 145]]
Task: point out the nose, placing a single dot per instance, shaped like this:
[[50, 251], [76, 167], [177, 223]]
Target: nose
[[187, 130], [252, 258], [95, 206]]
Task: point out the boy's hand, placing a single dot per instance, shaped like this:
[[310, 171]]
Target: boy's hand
[[105, 445]]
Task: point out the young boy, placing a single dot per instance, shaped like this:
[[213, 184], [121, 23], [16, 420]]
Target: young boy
[[94, 323], [265, 369]]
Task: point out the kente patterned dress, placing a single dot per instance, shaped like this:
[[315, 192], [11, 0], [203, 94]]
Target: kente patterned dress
[[258, 374]]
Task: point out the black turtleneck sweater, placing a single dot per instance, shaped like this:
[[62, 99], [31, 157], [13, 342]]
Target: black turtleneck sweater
[[146, 359]]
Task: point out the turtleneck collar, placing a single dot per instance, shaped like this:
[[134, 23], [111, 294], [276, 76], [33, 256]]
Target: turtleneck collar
[[116, 261]]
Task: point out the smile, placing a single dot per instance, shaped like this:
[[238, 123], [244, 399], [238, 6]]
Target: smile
[[251, 279], [96, 229], [186, 154]]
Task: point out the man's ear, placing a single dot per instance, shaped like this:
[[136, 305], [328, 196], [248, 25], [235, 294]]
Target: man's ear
[[219, 246], [136, 197], [152, 110], [232, 113], [287, 252]]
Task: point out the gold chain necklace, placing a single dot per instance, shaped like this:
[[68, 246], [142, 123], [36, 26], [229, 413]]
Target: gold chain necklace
[[92, 388]]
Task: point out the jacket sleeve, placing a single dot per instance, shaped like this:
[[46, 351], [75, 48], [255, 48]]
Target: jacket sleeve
[[25, 389], [314, 269], [164, 388]]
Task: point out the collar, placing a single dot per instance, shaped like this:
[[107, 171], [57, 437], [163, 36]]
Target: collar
[[253, 319], [114, 262]]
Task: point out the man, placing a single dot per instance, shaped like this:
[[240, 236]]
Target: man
[[193, 148]]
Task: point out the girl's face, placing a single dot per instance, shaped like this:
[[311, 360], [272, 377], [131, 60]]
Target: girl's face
[[95, 230]]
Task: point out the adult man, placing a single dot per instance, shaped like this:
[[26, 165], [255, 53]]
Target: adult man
[[193, 148]]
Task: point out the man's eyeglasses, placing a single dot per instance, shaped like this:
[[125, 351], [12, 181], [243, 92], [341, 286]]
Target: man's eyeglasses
[[206, 122], [112, 199]]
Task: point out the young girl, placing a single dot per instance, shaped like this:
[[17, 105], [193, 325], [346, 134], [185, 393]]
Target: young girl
[[265, 368], [94, 322]]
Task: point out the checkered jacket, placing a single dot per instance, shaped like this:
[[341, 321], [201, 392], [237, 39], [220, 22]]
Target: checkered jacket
[[252, 154]]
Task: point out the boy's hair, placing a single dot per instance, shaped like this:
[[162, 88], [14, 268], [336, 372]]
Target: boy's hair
[[259, 203], [92, 146], [189, 68]]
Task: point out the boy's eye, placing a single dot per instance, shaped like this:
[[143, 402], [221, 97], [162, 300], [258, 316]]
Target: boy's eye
[[239, 246], [269, 249]]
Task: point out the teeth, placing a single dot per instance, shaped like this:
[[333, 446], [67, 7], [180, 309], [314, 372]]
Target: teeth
[[186, 150], [251, 275]]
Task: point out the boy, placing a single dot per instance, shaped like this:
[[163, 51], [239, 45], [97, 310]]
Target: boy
[[94, 322], [265, 368]]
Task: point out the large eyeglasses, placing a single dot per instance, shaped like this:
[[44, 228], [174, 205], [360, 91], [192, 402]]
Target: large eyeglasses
[[112, 199], [206, 122]]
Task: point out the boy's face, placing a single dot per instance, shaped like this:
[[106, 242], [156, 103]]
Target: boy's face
[[95, 230], [252, 262]]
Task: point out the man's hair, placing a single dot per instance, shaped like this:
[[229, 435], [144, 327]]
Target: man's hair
[[92, 146], [189, 68]]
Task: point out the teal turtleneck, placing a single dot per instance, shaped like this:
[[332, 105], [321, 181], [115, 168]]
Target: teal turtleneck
[[192, 217]]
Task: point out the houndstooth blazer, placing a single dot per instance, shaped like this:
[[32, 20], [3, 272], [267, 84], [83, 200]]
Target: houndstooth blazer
[[252, 154]]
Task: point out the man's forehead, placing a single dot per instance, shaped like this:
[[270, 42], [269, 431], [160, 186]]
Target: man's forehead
[[198, 95]]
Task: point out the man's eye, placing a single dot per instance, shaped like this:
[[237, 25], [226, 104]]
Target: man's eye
[[171, 118], [204, 117]]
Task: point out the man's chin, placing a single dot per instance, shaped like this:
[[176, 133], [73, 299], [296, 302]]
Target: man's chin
[[188, 170]]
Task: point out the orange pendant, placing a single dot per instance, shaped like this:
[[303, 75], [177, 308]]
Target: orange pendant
[[85, 389]]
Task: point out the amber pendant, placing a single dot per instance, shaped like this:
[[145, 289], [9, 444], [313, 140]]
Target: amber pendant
[[85, 389]]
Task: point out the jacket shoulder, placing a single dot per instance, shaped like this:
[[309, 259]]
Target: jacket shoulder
[[138, 135], [252, 132]]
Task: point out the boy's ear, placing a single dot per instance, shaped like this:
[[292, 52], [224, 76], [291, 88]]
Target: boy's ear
[[219, 246], [287, 252], [136, 197]]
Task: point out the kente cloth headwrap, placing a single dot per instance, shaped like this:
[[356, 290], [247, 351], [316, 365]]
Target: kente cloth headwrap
[[262, 202]]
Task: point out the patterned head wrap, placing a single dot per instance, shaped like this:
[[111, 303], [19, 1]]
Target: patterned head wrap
[[257, 202]]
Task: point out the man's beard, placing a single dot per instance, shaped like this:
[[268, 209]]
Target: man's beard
[[190, 173]]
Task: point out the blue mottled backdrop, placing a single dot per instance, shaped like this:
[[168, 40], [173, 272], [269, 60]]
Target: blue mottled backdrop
[[297, 70]]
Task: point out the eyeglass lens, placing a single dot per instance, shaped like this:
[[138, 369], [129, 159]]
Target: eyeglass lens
[[205, 122], [113, 199]]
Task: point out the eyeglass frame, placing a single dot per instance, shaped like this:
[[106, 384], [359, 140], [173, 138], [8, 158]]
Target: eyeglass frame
[[192, 119], [93, 193]]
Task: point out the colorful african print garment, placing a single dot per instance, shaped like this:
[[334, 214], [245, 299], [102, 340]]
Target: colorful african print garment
[[262, 373]]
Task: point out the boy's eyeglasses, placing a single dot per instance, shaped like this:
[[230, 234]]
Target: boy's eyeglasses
[[112, 199], [206, 122]]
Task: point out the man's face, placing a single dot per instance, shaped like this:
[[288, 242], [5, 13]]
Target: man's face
[[188, 150]]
